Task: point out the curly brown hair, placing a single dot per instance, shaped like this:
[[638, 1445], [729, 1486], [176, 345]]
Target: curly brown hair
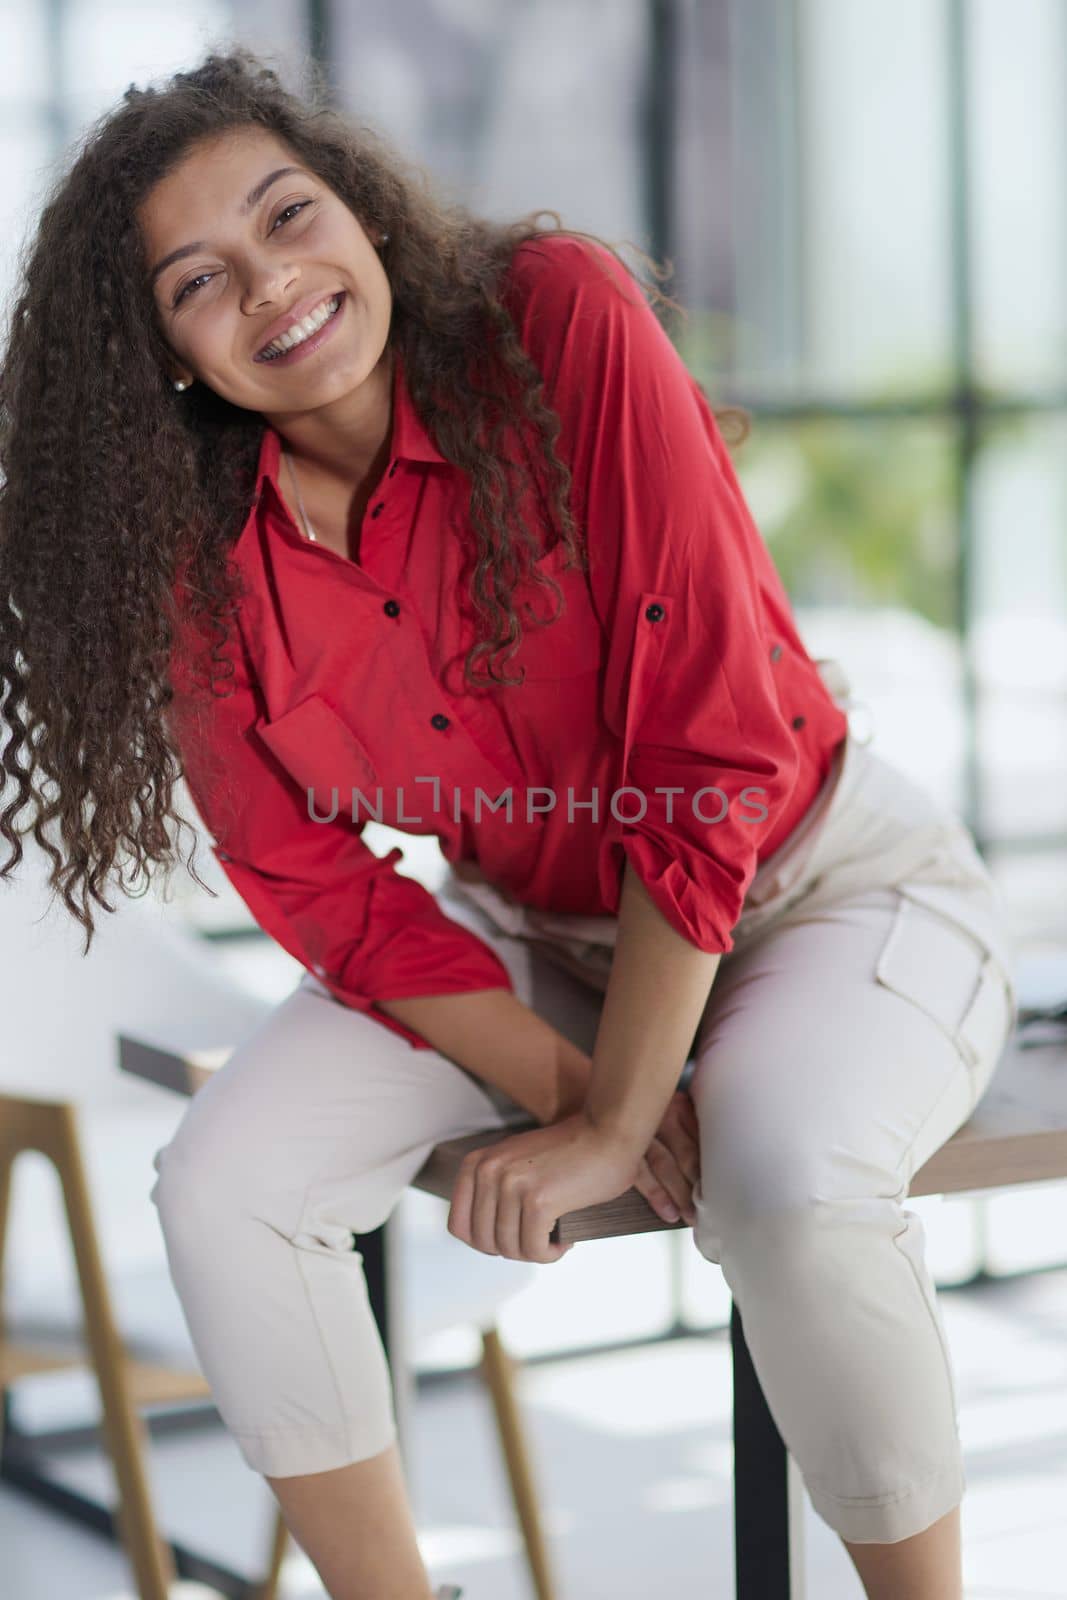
[[117, 497]]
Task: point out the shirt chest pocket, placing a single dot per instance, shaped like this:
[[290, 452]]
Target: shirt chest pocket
[[315, 744], [571, 644]]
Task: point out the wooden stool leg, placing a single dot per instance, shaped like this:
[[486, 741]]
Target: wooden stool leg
[[499, 1372], [150, 1557], [268, 1589]]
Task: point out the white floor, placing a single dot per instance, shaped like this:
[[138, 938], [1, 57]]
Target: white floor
[[636, 1498]]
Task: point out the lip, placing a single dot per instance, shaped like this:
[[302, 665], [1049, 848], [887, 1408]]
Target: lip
[[297, 314]]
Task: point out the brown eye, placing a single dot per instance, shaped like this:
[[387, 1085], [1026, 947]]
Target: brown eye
[[297, 205], [200, 277]]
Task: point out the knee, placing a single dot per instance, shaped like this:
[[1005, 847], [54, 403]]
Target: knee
[[219, 1182], [198, 1183], [765, 1180], [777, 1204], [182, 1189]]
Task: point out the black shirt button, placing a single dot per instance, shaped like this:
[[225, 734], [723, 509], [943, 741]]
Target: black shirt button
[[439, 719], [776, 652], [391, 608], [378, 508], [654, 612], [798, 722]]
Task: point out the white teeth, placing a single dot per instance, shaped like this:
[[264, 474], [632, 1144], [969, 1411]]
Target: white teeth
[[302, 330]]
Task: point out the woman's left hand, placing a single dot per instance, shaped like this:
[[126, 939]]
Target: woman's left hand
[[509, 1196]]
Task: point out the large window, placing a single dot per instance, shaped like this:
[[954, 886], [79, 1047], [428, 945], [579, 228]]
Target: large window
[[876, 268]]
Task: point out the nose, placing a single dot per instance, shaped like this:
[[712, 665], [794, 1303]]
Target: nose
[[267, 286]]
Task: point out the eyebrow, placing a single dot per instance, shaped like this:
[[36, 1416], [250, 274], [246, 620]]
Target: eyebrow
[[253, 198]]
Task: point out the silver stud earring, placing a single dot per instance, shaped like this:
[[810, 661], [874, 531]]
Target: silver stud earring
[[181, 383], [383, 240]]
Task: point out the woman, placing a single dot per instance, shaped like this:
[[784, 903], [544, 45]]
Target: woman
[[290, 450]]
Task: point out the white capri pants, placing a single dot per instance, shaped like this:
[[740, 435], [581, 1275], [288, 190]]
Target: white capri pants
[[849, 1033]]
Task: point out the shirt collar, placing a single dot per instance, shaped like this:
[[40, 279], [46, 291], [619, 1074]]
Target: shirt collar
[[410, 440]]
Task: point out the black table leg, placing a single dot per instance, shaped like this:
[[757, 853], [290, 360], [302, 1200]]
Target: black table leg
[[768, 1548], [372, 1248], [380, 1249]]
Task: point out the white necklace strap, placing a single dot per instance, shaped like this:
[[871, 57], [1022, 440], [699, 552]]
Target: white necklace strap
[[308, 529]]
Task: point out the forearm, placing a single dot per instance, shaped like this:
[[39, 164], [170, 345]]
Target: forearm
[[655, 997], [494, 1036]]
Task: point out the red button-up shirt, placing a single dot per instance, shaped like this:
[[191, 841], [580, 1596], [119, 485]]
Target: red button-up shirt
[[671, 715]]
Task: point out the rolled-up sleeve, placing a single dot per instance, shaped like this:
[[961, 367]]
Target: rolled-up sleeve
[[367, 932], [688, 689]]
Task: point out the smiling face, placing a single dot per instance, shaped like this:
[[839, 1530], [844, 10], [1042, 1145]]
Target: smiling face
[[240, 251]]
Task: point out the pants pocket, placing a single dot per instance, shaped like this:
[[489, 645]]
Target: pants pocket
[[947, 971]]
